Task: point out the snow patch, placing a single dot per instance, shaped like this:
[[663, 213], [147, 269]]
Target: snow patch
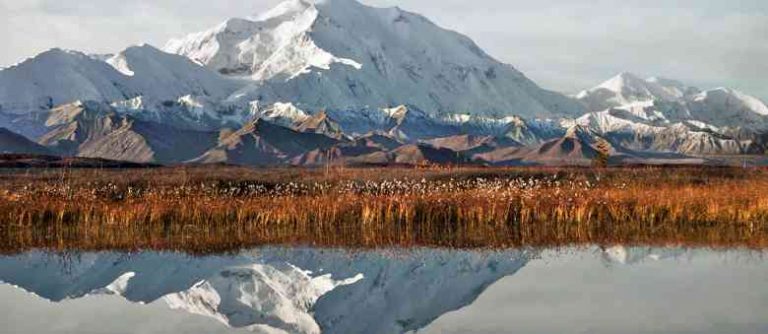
[[120, 64]]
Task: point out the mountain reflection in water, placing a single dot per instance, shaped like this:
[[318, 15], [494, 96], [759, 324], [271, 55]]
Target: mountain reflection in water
[[306, 290]]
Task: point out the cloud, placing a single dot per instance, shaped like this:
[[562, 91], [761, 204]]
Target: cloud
[[562, 44]]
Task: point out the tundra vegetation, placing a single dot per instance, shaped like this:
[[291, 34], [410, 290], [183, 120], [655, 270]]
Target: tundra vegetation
[[212, 209]]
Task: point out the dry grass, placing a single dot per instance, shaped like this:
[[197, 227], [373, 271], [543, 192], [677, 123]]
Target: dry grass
[[210, 209]]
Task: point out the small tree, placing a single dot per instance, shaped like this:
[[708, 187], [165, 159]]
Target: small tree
[[603, 148]]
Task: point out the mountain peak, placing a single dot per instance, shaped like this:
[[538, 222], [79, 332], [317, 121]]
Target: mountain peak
[[58, 76], [284, 9], [58, 55], [345, 55], [623, 81], [627, 88], [667, 82], [731, 99], [578, 131], [338, 4], [277, 43], [59, 52], [142, 50]]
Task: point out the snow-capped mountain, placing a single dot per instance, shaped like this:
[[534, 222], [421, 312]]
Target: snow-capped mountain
[[370, 69], [278, 290], [627, 88], [58, 77], [665, 101], [343, 55], [347, 71], [666, 115]]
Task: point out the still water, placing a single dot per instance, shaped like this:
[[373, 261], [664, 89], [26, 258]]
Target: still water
[[304, 290]]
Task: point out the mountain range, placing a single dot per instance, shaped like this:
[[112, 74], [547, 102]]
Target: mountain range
[[339, 82]]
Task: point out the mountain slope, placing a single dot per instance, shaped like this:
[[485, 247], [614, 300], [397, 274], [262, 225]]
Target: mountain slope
[[470, 145], [343, 55], [320, 123], [576, 147], [11, 142], [96, 130], [422, 154], [728, 107], [261, 143]]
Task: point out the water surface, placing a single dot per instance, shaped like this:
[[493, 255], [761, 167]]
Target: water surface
[[305, 290]]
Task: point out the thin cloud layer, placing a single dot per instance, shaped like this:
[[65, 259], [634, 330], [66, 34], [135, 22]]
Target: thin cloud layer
[[562, 44]]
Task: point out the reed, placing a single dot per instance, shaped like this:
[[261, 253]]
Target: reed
[[211, 209]]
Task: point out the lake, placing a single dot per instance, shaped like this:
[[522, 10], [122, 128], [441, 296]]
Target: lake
[[308, 290]]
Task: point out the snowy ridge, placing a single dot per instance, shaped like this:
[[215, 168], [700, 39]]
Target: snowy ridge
[[58, 77], [169, 77]]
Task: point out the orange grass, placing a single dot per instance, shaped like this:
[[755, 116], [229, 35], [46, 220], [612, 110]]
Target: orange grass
[[209, 209]]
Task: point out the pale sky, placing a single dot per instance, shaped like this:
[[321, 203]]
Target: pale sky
[[563, 45]]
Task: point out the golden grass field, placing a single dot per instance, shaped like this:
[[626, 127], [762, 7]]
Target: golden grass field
[[209, 209]]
